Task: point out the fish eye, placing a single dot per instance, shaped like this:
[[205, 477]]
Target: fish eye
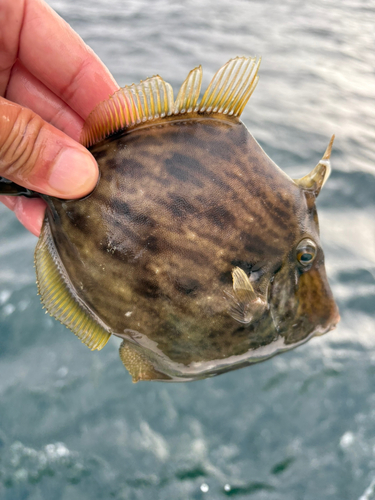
[[306, 252]]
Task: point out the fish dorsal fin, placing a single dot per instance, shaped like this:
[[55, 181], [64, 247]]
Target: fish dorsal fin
[[188, 94], [59, 297], [231, 87], [129, 106], [152, 99]]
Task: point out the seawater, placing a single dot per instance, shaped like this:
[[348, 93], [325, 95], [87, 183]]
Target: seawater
[[300, 426]]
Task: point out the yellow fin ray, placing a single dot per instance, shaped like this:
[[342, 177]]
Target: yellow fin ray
[[152, 99], [129, 106], [244, 304], [188, 94], [242, 285], [231, 87], [59, 298]]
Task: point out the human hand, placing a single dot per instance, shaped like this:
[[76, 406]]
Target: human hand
[[50, 81]]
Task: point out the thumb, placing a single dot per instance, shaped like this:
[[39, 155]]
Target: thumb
[[40, 157]]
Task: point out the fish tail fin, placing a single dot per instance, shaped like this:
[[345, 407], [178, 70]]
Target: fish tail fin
[[10, 188]]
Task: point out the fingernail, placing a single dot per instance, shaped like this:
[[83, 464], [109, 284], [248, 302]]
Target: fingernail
[[74, 173]]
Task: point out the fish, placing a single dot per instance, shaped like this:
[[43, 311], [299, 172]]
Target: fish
[[194, 247]]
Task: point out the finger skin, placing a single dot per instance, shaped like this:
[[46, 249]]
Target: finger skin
[[51, 51], [25, 89], [11, 16], [40, 157], [45, 66], [30, 212]]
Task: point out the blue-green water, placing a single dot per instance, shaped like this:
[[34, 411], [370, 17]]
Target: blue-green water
[[300, 426]]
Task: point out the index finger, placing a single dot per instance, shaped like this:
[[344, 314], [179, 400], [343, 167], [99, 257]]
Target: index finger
[[55, 54]]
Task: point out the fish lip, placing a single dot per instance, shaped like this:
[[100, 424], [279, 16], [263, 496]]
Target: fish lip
[[330, 327]]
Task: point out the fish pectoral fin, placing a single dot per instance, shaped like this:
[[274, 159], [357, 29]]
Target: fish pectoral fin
[[238, 309], [59, 297], [244, 304], [242, 285], [139, 367]]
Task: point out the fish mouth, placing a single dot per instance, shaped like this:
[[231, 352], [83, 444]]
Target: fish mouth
[[330, 327]]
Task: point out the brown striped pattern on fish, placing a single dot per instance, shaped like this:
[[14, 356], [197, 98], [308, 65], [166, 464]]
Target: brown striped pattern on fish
[[178, 205]]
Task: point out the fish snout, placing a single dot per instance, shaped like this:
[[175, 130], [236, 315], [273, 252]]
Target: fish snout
[[315, 301], [304, 306], [334, 319]]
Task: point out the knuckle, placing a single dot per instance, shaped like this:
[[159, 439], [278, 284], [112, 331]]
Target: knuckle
[[19, 145]]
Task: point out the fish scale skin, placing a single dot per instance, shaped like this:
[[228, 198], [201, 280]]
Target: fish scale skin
[[176, 204]]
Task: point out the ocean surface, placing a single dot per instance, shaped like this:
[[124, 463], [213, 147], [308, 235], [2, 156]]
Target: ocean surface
[[300, 426]]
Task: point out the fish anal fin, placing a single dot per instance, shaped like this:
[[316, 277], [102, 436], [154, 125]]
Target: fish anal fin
[[139, 367], [244, 304], [59, 296]]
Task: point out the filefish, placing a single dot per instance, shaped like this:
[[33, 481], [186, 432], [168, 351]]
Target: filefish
[[194, 248]]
